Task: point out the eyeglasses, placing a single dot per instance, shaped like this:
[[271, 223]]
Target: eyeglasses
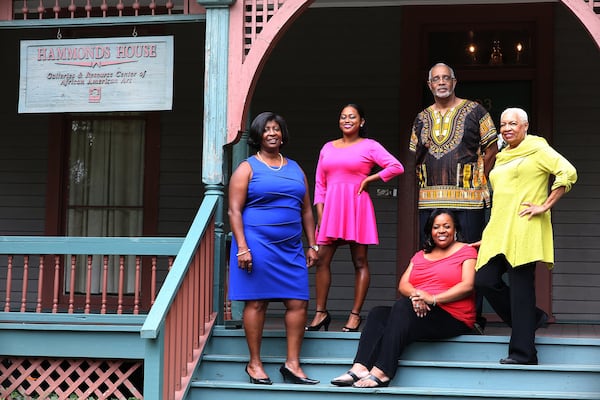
[[511, 124], [437, 78]]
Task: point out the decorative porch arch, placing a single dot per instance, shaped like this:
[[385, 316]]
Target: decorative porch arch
[[255, 27], [585, 11]]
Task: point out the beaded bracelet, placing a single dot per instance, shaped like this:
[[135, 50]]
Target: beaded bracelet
[[241, 253]]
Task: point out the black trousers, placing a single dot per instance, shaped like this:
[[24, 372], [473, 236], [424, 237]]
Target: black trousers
[[390, 329], [515, 304]]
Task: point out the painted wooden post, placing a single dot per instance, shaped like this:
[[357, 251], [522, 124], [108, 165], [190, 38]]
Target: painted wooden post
[[215, 126], [215, 89], [154, 363]]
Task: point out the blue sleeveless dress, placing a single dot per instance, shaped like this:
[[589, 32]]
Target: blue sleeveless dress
[[273, 228]]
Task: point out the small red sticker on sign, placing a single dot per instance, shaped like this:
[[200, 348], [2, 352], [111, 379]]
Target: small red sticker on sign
[[95, 94]]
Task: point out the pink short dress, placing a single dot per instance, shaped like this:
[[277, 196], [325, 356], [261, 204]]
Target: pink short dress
[[347, 215]]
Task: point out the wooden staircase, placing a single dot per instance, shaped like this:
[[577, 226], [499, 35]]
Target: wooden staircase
[[462, 368]]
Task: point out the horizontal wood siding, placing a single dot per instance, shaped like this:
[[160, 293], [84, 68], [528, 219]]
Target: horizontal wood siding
[[24, 145], [181, 187], [23, 159], [576, 276], [329, 57], [326, 59], [23, 148]]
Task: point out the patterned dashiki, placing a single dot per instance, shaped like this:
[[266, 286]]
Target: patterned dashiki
[[449, 156]]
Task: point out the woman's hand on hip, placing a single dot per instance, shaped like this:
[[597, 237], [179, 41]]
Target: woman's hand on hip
[[531, 210]]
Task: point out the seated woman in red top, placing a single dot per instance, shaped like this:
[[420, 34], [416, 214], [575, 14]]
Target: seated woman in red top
[[437, 303]]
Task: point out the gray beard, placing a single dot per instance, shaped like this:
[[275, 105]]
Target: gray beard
[[444, 95]]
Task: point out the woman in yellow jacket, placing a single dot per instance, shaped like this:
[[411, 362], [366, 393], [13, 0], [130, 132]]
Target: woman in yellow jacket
[[519, 232]]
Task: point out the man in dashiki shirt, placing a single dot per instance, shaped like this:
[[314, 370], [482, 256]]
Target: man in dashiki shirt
[[454, 141]]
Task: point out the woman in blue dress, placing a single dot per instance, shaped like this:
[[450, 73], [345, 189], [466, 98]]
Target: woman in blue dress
[[269, 207]]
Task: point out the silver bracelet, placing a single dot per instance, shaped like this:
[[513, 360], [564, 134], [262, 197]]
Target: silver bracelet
[[241, 253]]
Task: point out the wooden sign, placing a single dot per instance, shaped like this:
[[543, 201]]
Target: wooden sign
[[104, 74]]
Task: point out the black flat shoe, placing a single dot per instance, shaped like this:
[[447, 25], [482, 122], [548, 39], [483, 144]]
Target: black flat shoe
[[325, 323], [258, 381], [512, 361], [346, 382], [289, 376], [348, 329], [379, 382]]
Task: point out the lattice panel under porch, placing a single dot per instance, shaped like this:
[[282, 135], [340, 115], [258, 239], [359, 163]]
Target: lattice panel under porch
[[42, 378]]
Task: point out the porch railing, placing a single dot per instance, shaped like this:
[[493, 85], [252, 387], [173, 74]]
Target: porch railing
[[181, 319], [44, 341], [31, 10], [35, 271]]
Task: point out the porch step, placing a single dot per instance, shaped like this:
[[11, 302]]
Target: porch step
[[239, 391], [551, 350], [464, 367]]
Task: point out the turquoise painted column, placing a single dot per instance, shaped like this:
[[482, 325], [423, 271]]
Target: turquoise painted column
[[215, 127]]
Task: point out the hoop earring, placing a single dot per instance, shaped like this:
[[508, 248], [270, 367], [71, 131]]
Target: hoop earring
[[455, 237]]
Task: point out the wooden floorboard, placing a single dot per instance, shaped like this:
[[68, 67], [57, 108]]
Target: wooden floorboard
[[571, 330], [553, 330]]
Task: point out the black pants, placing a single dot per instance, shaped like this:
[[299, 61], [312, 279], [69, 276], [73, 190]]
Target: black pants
[[514, 304], [390, 329]]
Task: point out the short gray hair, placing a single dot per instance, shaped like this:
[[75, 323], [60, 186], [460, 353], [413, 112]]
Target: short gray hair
[[519, 111], [441, 64]]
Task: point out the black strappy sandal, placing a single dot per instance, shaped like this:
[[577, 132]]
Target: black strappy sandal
[[348, 329]]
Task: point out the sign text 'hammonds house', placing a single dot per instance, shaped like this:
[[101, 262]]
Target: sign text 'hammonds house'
[[104, 74]]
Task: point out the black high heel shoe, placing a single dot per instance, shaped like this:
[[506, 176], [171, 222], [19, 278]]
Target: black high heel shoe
[[325, 323], [289, 375], [258, 381], [348, 329]]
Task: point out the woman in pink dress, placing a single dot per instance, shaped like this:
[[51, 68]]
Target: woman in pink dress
[[345, 213]]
